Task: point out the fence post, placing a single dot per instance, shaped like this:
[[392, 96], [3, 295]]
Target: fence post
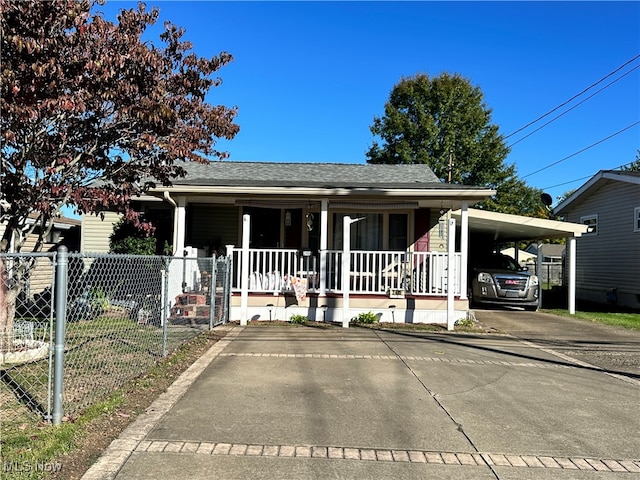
[[165, 307], [62, 266], [212, 290]]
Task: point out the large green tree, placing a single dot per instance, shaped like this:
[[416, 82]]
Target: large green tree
[[444, 123]]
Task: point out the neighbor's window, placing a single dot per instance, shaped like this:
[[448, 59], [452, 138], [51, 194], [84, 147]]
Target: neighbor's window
[[592, 221], [636, 219]]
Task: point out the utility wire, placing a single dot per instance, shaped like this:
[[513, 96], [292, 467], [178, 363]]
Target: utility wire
[[572, 98], [580, 151], [584, 178], [575, 106]]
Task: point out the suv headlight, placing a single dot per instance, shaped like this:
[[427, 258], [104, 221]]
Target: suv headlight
[[533, 281], [485, 278]]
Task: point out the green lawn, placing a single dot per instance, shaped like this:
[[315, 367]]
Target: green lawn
[[617, 319]]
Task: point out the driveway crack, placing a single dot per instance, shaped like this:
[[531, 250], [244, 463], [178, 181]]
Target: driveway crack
[[433, 395]]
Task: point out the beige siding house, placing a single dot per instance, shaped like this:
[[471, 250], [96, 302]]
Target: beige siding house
[[65, 231], [96, 232], [608, 256]]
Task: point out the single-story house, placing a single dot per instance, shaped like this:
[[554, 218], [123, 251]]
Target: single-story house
[[328, 241], [64, 231], [608, 255], [550, 252], [523, 257]]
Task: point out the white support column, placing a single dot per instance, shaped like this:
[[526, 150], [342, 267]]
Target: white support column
[[244, 270], [464, 249], [539, 274], [346, 267], [324, 235], [450, 277], [571, 247], [179, 226]]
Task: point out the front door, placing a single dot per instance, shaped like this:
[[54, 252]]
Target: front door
[[265, 227]]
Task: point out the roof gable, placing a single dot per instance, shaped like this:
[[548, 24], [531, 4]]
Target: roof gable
[[593, 184]]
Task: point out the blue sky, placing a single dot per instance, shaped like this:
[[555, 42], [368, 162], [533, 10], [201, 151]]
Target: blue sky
[[308, 77]]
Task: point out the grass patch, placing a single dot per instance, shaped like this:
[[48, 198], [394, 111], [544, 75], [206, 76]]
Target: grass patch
[[29, 451], [627, 320], [38, 450]]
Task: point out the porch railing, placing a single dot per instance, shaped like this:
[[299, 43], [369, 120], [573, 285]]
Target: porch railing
[[371, 272]]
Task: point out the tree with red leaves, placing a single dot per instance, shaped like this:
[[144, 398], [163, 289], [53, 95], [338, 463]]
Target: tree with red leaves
[[92, 116]]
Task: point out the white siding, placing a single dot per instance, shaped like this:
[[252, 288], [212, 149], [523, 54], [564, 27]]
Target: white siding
[[96, 232], [611, 257]]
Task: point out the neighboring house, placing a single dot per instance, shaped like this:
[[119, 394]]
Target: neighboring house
[[283, 224], [608, 256], [96, 240], [551, 252], [65, 231], [523, 257]]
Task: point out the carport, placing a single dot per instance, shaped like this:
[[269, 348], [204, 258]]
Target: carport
[[486, 229]]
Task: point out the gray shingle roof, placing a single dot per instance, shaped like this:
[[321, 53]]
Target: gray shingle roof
[[225, 173]]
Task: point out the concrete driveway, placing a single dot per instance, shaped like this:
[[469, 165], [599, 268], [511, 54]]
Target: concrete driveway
[[613, 349], [296, 403]]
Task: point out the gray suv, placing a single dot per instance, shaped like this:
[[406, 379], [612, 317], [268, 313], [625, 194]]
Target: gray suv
[[497, 279]]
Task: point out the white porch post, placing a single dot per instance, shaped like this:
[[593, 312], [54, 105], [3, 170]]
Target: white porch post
[[450, 277], [244, 270], [571, 246], [346, 267], [464, 249], [539, 274], [324, 235], [179, 226]]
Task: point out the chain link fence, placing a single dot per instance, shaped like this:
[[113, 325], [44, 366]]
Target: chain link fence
[[123, 314], [26, 341]]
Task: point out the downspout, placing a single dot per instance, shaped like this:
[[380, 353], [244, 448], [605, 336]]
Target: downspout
[[172, 202]]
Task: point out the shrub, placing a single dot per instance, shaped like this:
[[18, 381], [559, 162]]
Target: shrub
[[368, 317], [465, 323], [299, 319]]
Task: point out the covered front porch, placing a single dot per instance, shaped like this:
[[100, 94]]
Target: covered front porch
[[405, 286]]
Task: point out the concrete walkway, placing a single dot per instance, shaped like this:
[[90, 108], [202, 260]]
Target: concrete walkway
[[297, 403]]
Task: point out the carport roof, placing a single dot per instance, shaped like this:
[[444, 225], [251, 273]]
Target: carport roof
[[506, 227]]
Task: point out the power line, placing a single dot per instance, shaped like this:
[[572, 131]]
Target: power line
[[572, 98], [584, 178], [584, 149], [575, 106], [567, 183]]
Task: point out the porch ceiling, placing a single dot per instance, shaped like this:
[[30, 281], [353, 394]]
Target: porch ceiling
[[505, 227]]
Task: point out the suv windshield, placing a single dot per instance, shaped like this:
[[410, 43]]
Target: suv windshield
[[498, 262]]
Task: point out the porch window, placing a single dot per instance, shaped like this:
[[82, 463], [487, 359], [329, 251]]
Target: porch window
[[365, 234], [636, 219]]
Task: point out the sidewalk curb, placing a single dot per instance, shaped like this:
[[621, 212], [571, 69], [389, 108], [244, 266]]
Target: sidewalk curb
[[117, 453]]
